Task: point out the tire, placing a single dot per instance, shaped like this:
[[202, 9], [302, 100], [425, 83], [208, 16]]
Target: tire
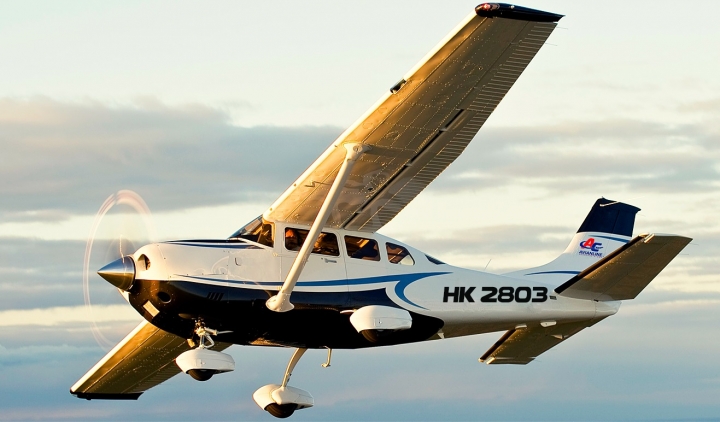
[[201, 374], [281, 411], [377, 336]]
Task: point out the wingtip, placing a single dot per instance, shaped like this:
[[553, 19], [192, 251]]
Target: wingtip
[[510, 11]]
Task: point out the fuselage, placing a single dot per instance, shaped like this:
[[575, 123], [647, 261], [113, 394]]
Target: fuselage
[[227, 282]]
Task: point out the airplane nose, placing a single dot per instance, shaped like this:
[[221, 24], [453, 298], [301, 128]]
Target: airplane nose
[[120, 273]]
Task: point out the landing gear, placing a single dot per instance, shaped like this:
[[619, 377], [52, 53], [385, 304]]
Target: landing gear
[[281, 411], [282, 400], [201, 374], [202, 363]]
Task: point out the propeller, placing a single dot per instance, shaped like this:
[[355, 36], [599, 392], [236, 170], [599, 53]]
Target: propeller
[[121, 226]]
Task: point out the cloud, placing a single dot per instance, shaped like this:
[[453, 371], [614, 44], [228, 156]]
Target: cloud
[[498, 239], [604, 155], [63, 315], [61, 159], [66, 158], [37, 273]]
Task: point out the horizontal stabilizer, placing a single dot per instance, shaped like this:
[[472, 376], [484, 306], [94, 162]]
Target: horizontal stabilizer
[[624, 273], [521, 346], [142, 360]]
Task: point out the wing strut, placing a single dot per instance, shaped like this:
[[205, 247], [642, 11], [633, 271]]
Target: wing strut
[[281, 301]]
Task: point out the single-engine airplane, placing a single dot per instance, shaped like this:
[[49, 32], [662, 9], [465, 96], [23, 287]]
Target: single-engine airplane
[[312, 271]]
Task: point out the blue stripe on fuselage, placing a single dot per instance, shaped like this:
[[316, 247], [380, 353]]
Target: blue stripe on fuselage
[[403, 281], [217, 245], [617, 239]]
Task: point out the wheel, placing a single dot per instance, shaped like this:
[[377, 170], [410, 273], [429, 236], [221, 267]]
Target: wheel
[[201, 374], [376, 336], [281, 410]]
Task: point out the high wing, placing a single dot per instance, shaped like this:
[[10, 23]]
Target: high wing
[[424, 123], [624, 273], [142, 360], [522, 346]]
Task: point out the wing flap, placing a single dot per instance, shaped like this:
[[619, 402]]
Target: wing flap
[[142, 360], [522, 346], [420, 128], [623, 274]]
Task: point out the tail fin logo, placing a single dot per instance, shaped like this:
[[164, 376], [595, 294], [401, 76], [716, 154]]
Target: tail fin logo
[[591, 248]]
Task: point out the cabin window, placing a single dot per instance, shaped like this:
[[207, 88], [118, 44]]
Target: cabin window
[[326, 243], [258, 231], [361, 248], [398, 254]]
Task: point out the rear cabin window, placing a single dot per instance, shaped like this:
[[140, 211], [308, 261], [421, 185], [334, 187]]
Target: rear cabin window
[[361, 248], [326, 244], [434, 260], [398, 254]]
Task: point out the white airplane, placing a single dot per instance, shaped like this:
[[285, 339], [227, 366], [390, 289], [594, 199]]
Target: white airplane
[[312, 271]]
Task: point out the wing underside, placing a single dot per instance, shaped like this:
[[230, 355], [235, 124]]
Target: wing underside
[[421, 126], [142, 360], [522, 346]]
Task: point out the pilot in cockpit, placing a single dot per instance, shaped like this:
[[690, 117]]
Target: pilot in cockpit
[[292, 240]]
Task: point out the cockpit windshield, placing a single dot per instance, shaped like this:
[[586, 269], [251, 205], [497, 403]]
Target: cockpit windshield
[[258, 231]]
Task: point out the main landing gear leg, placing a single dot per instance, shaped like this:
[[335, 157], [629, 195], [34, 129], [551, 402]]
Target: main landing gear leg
[[291, 365], [283, 400]]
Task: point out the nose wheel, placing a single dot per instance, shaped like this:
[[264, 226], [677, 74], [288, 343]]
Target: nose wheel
[[201, 363]]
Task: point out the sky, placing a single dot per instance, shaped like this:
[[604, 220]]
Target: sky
[[209, 110]]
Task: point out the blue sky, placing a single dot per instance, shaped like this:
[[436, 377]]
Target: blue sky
[[210, 111]]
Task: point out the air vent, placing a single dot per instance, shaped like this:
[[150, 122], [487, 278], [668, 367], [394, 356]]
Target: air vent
[[143, 262], [216, 296]]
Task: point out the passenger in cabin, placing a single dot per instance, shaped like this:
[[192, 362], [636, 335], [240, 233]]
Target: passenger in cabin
[[265, 236], [361, 248], [292, 240], [399, 255], [327, 244]]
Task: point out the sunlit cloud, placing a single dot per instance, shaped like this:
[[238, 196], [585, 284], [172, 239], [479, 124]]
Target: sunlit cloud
[[63, 315], [64, 159]]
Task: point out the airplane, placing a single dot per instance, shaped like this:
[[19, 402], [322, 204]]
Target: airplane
[[312, 272]]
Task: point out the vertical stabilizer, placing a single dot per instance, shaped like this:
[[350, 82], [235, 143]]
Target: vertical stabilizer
[[608, 226]]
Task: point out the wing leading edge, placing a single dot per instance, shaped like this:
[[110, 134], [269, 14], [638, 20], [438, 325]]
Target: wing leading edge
[[142, 360], [424, 123]]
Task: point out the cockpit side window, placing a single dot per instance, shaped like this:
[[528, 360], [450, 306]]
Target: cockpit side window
[[258, 231], [361, 248], [398, 254], [326, 243]]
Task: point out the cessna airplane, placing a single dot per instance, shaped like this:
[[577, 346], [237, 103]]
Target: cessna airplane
[[312, 271]]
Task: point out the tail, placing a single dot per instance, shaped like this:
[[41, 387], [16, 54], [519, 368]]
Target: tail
[[607, 227]]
